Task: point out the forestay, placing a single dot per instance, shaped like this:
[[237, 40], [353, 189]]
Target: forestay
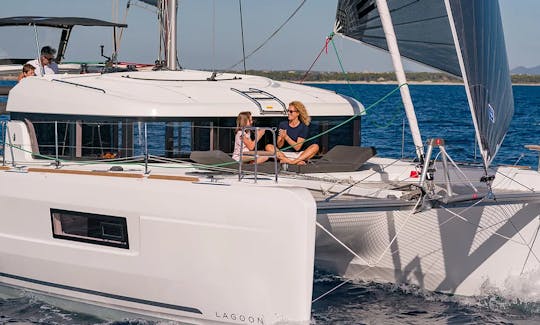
[[425, 34]]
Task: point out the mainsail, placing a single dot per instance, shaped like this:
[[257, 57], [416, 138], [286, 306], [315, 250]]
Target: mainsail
[[426, 34]]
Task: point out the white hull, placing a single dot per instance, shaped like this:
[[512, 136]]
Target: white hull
[[196, 252], [491, 249]]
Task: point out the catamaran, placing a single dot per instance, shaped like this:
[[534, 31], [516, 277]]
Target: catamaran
[[192, 235]]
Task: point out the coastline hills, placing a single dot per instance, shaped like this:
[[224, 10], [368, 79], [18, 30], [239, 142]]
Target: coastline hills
[[375, 77], [520, 75]]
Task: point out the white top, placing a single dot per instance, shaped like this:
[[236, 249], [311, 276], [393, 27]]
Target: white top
[[168, 94], [238, 144], [51, 68]]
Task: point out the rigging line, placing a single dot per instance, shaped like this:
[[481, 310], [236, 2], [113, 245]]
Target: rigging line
[[495, 233], [325, 47], [356, 183], [145, 7], [270, 37], [242, 31], [426, 232], [443, 150], [63, 161], [121, 33], [114, 16], [234, 162], [386, 248], [513, 180], [530, 250], [214, 36], [349, 119], [509, 220], [309, 139], [398, 112], [343, 69], [331, 290]]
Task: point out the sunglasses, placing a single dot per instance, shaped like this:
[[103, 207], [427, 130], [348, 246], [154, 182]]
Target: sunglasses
[[291, 111]]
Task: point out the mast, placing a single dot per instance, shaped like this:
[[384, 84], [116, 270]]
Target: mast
[[171, 34], [393, 49]]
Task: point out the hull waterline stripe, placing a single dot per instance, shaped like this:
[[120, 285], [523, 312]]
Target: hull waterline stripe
[[103, 294]]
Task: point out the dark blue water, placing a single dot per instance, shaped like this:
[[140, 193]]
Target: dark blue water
[[442, 112]]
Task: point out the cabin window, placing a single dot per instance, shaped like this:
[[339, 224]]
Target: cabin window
[[168, 138], [90, 228]]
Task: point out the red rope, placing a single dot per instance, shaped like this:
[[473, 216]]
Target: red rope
[[325, 48]]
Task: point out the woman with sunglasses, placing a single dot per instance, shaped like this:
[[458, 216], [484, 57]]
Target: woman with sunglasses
[[292, 135]]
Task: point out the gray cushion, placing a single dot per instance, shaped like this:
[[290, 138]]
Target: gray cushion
[[223, 160], [338, 159]]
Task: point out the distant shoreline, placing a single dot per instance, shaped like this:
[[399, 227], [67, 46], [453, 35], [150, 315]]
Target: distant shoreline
[[378, 78], [416, 83], [365, 78]]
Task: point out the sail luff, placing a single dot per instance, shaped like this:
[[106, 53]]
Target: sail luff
[[465, 79], [479, 40], [393, 49]]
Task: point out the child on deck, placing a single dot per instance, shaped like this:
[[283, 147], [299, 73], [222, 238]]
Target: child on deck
[[28, 70], [244, 119]]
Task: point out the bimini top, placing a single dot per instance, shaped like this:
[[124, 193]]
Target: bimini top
[[56, 22], [169, 94]]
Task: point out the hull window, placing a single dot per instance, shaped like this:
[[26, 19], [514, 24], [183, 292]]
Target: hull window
[[90, 228]]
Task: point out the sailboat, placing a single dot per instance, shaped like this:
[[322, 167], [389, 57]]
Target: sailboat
[[199, 239]]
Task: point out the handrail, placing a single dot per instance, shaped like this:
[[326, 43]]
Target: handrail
[[79, 85], [246, 93], [255, 155]]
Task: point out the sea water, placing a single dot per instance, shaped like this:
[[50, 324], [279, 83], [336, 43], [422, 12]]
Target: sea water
[[442, 112]]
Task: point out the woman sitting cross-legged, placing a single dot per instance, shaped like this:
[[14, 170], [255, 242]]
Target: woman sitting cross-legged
[[291, 137], [243, 141]]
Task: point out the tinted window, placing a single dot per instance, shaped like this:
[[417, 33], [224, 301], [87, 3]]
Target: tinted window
[[91, 228]]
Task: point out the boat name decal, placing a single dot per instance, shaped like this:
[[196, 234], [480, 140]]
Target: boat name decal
[[241, 318]]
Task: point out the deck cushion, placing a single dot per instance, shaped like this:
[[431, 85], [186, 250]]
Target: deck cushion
[[338, 159]]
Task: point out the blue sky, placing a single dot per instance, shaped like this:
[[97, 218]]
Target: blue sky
[[294, 48]]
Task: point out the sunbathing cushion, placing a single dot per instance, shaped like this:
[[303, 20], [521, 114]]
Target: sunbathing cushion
[[212, 157], [220, 159], [338, 159], [349, 154]]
